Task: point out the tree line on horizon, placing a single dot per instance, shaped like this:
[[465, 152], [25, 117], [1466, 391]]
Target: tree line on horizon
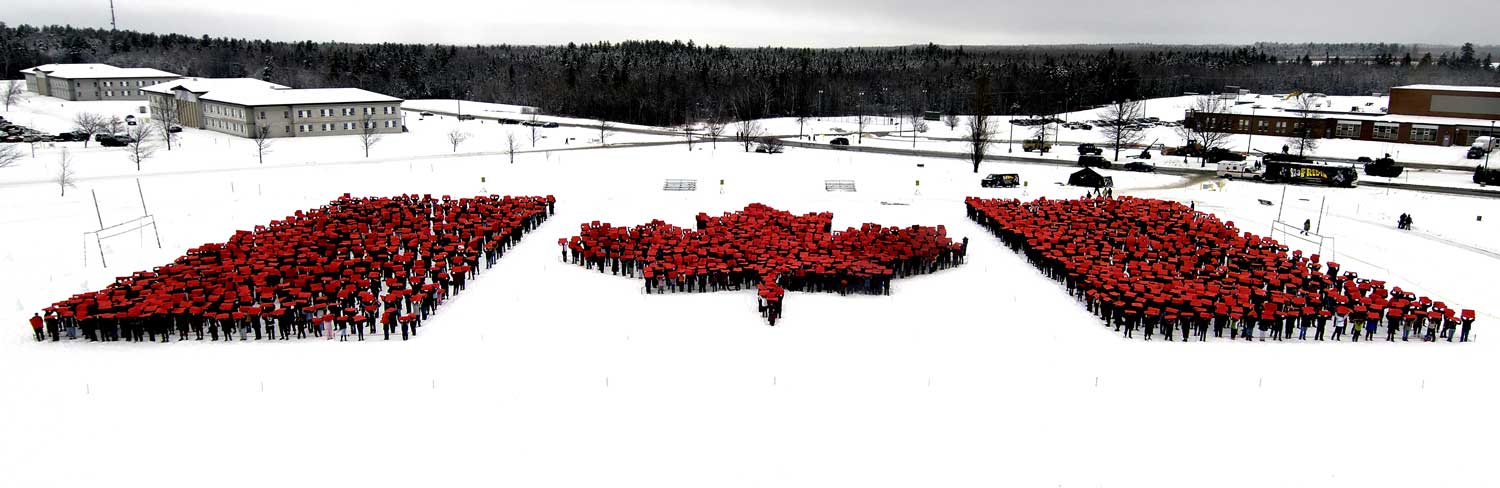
[[666, 83]]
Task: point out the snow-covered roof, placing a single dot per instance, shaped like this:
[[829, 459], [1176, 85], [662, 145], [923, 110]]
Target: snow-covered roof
[[96, 70], [1341, 108], [1478, 89], [206, 85], [303, 96]]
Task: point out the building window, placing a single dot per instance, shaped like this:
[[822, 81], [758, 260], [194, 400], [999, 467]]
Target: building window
[[1423, 134], [1263, 125], [1245, 124], [1386, 132], [286, 114], [1348, 131], [262, 115]]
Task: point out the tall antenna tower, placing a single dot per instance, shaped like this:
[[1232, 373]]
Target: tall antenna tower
[[112, 15]]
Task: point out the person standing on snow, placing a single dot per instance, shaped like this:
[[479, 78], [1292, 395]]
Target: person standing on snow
[[36, 326]]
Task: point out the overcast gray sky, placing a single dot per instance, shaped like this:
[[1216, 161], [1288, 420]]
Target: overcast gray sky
[[809, 23]]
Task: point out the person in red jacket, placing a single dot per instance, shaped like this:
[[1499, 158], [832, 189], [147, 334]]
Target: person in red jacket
[[36, 326]]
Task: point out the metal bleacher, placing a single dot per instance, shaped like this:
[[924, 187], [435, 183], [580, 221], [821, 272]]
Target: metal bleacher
[[680, 185], [839, 185]]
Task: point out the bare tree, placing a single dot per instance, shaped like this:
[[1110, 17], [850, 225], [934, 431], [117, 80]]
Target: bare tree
[[140, 148], [510, 146], [918, 126], [981, 133], [10, 94], [89, 124], [605, 129], [747, 132], [114, 125], [534, 135], [1303, 139], [369, 133], [951, 120], [9, 155], [1119, 127], [457, 136], [772, 145], [1207, 128], [64, 176], [859, 122], [715, 127], [164, 125], [260, 139], [1040, 135], [801, 121]]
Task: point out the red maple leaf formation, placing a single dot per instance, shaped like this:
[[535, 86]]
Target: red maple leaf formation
[[353, 263], [1157, 264], [770, 249]]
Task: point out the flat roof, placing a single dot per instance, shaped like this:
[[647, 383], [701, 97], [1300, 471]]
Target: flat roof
[[1478, 89], [206, 85], [302, 96], [96, 70], [1340, 107]]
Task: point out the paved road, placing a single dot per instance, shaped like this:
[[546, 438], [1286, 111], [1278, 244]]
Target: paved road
[[1188, 172]]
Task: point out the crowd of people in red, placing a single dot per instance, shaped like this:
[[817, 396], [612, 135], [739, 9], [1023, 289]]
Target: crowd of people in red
[[351, 265], [1161, 266], [771, 250]]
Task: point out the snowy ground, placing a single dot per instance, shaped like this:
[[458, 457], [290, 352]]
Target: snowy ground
[[545, 374]]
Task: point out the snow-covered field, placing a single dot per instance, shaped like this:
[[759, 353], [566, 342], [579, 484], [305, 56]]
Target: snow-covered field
[[546, 374]]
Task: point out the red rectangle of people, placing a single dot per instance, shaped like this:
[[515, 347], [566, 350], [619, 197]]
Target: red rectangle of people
[[769, 249], [1162, 267], [355, 264]]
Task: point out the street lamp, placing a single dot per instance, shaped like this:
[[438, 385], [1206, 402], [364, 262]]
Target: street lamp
[[1249, 145], [820, 105], [860, 118], [1010, 143], [1490, 146]]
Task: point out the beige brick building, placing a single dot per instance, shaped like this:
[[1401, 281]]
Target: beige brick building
[[181, 100], [300, 112], [93, 81]]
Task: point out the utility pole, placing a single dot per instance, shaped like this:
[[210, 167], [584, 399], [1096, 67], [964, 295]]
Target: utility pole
[[112, 15]]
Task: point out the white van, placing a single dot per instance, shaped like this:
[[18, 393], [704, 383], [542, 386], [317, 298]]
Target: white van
[[1484, 143], [1247, 170]]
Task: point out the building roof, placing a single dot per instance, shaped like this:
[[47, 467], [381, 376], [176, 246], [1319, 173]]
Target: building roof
[[303, 96], [1341, 108], [205, 85], [1477, 89], [96, 70]]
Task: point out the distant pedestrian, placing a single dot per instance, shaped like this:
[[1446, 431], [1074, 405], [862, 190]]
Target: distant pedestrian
[[1306, 226], [36, 327]]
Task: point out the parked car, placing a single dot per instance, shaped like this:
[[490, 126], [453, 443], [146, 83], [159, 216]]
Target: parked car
[[1035, 145], [551, 125], [1089, 149], [509, 121], [1092, 161], [100, 137], [174, 129], [465, 117], [1384, 167], [111, 141], [1140, 167], [426, 114], [11, 138], [839, 141], [1001, 181]]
